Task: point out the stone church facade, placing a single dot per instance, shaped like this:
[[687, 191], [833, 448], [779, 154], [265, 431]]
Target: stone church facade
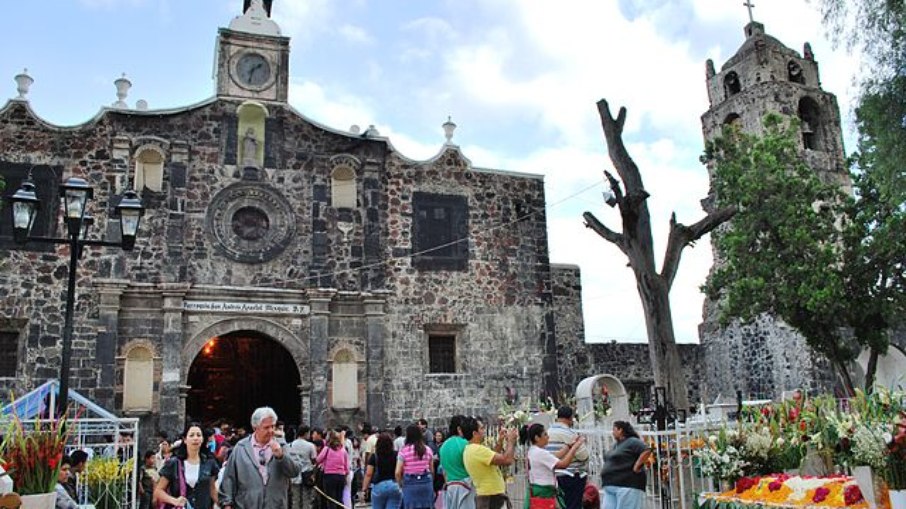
[[320, 271], [278, 262]]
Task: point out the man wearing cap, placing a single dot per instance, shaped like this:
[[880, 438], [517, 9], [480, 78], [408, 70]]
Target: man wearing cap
[[570, 480]]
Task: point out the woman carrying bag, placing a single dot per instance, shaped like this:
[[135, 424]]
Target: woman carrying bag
[[542, 488], [187, 478]]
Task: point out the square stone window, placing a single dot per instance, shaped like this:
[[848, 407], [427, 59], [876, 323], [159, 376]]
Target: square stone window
[[440, 231], [9, 353], [441, 353], [46, 180]]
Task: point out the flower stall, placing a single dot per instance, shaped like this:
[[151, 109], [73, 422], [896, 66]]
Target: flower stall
[[850, 453], [34, 443]]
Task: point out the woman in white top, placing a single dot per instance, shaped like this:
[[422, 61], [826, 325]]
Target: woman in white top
[[187, 478], [541, 466]]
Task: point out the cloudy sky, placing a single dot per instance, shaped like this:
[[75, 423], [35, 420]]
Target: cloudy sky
[[519, 77]]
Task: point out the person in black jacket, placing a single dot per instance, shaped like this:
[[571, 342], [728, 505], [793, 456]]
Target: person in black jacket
[[187, 478]]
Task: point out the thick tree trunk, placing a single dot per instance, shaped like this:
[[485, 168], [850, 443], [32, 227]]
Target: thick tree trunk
[[662, 350], [845, 379], [635, 241], [871, 370]]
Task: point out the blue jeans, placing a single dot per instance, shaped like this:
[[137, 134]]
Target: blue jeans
[[617, 497], [386, 495]]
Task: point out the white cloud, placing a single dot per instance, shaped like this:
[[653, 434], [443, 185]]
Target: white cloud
[[355, 34], [338, 110]]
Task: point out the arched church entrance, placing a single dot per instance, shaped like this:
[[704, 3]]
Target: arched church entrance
[[237, 372]]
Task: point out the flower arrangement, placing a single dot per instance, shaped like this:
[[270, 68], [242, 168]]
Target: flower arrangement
[[602, 406], [32, 453], [107, 480], [896, 457], [791, 491], [722, 459]]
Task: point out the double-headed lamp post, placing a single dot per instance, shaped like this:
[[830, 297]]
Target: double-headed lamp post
[[75, 193]]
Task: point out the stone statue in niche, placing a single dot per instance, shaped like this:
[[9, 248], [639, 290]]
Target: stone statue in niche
[[250, 148]]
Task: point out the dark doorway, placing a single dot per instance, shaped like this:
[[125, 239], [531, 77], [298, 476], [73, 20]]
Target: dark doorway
[[236, 373]]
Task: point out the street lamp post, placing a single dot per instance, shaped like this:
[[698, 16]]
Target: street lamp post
[[75, 193]]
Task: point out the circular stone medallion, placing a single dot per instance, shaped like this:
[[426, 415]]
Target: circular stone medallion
[[250, 222]]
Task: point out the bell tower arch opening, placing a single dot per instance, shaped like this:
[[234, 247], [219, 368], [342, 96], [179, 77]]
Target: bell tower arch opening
[[235, 373]]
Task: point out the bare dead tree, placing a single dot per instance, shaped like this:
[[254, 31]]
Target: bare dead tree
[[635, 241]]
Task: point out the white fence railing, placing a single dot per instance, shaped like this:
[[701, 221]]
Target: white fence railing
[[674, 477]]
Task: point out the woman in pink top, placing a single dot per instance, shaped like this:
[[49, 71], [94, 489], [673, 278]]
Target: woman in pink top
[[413, 471], [335, 465]]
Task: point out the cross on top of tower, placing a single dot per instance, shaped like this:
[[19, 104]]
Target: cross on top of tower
[[749, 5]]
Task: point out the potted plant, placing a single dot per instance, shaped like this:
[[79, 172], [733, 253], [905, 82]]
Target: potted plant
[[31, 453]]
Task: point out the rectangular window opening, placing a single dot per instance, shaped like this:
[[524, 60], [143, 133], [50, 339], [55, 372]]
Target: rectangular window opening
[[441, 353], [9, 353]]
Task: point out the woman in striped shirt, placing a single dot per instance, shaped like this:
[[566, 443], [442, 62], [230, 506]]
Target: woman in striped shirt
[[413, 471]]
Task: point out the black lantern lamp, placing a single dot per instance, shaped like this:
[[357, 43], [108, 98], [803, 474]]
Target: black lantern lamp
[[75, 193], [25, 205], [130, 210]]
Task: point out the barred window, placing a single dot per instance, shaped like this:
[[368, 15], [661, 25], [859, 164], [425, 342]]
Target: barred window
[[440, 231], [441, 354], [9, 353]]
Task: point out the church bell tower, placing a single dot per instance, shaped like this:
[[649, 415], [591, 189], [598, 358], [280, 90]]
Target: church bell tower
[[766, 357], [253, 57]]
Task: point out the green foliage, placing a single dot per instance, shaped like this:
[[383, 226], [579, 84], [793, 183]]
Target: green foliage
[[782, 251], [830, 265]]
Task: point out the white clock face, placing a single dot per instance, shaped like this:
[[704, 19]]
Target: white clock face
[[253, 70]]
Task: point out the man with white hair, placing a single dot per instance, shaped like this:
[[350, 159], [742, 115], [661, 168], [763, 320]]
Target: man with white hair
[[258, 472]]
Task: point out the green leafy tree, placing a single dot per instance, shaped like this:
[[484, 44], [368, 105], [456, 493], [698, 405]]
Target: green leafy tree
[[781, 254]]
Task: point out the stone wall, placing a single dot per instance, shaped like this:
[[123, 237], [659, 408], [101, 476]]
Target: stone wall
[[627, 361], [358, 271]]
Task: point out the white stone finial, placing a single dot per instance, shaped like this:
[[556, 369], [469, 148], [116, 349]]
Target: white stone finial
[[255, 21], [355, 129], [122, 90], [23, 82], [141, 105], [449, 127], [371, 131]]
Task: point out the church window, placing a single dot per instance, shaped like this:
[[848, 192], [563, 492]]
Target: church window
[[9, 353], [149, 169], [810, 124], [441, 353], [138, 380], [732, 86], [733, 120], [343, 187], [794, 72], [46, 180], [345, 380], [440, 232]]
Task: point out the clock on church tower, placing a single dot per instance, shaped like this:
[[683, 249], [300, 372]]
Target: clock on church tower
[[252, 56]]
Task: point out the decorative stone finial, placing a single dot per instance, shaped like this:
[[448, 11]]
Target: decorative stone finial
[[807, 52], [371, 131], [23, 82], [449, 127], [255, 20], [141, 105], [122, 90], [355, 129]]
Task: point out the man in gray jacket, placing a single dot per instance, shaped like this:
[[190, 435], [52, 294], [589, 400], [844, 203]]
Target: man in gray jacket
[[258, 473]]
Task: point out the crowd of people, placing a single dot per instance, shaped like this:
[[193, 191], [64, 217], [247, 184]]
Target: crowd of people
[[275, 467]]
